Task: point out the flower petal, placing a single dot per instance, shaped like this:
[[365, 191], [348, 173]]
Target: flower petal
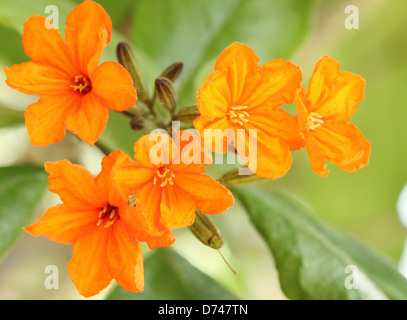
[[216, 135], [89, 268], [278, 83], [64, 223], [265, 155], [239, 62], [135, 223], [154, 150], [45, 45], [214, 96], [177, 207], [36, 78], [74, 184], [46, 120], [277, 123], [210, 196], [343, 144], [334, 94], [130, 176], [191, 154], [302, 104], [125, 259], [149, 200], [113, 86], [316, 156], [105, 179], [88, 31], [89, 120]]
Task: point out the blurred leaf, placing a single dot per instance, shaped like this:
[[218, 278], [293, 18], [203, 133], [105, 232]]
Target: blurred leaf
[[10, 117], [21, 188], [13, 52], [193, 32], [168, 276], [311, 257]]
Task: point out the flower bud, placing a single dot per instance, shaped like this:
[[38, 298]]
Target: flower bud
[[188, 114], [204, 229], [137, 123], [126, 58], [166, 93], [173, 71], [234, 178]]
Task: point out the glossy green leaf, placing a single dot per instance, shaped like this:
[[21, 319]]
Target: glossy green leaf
[[193, 32], [315, 261], [21, 190], [168, 276]]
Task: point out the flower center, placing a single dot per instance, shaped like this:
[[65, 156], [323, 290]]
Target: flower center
[[108, 215], [83, 84], [237, 114], [313, 121], [164, 175]]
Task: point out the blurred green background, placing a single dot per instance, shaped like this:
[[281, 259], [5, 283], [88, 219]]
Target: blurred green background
[[194, 32]]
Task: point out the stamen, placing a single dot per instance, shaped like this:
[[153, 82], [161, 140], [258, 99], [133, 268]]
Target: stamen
[[314, 120], [83, 84], [236, 115], [165, 175], [109, 214]]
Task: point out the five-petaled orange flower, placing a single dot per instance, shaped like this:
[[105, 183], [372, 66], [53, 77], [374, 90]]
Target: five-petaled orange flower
[[323, 116], [76, 93], [241, 95], [169, 183], [104, 229]]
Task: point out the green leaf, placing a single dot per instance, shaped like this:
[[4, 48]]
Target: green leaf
[[168, 276], [21, 190], [10, 117], [312, 258], [194, 32]]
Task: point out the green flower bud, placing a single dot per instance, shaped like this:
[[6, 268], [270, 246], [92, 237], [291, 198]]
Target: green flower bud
[[127, 59], [166, 93], [173, 71], [188, 114], [233, 178]]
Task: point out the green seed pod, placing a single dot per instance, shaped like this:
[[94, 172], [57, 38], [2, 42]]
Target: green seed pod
[[205, 230]]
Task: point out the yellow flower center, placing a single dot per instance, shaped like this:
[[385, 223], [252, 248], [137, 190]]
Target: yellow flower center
[[108, 215], [237, 114], [313, 121], [83, 84], [164, 175]]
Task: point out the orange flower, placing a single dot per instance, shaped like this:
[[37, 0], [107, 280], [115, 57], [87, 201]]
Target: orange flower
[[240, 94], [169, 183], [102, 226], [76, 93], [323, 117]]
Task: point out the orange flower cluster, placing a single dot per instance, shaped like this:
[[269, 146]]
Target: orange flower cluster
[[241, 95], [97, 215]]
